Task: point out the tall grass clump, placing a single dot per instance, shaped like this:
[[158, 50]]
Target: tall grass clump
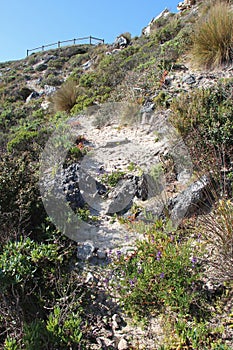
[[65, 98], [213, 37], [217, 229]]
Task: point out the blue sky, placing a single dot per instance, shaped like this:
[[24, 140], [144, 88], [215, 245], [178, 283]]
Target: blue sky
[[28, 24]]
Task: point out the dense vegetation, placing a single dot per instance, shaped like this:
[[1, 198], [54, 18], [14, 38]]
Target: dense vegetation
[[44, 303]]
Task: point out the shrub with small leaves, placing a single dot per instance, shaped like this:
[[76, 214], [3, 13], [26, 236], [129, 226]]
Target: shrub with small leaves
[[162, 272]]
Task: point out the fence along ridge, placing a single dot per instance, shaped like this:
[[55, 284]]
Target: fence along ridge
[[59, 43]]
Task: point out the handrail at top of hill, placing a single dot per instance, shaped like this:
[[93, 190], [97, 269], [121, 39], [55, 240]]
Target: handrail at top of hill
[[73, 41]]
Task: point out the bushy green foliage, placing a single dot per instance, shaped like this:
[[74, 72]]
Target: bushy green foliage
[[162, 272], [22, 140], [213, 37], [64, 327], [112, 179], [207, 110], [168, 31], [20, 261], [20, 203]]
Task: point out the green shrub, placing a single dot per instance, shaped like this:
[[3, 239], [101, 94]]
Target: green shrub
[[60, 330], [10, 344], [20, 261], [113, 178], [64, 327], [22, 140], [36, 336], [213, 37], [168, 31], [21, 206], [208, 111], [161, 273]]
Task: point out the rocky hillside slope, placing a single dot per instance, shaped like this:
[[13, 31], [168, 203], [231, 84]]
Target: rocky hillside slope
[[116, 190]]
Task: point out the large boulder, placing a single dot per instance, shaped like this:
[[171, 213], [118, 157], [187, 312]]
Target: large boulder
[[196, 198]]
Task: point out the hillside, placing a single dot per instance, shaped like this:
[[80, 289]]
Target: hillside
[[116, 188]]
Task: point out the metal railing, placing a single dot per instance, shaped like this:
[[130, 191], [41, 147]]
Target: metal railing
[[91, 41]]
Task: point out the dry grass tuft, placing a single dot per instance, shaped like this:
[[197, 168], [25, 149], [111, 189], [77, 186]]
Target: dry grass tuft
[[65, 98], [214, 36], [217, 228]]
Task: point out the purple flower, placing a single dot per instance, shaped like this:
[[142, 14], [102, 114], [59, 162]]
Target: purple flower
[[132, 281], [140, 270], [162, 275], [158, 255], [118, 253], [194, 261]]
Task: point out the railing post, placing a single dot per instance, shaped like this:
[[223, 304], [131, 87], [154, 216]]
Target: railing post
[[27, 52], [90, 39], [74, 41], [59, 44], [42, 47]]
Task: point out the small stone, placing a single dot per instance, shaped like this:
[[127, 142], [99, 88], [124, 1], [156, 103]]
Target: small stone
[[85, 251], [49, 90], [189, 79], [116, 318], [101, 254], [106, 342], [123, 344], [89, 278], [33, 95]]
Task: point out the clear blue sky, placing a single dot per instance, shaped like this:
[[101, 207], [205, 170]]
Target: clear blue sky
[[28, 24]]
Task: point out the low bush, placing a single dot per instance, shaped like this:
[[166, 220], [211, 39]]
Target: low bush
[[40, 300], [161, 273], [207, 110]]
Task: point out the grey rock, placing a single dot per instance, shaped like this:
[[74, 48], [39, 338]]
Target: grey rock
[[106, 342], [121, 41], [116, 320], [89, 278], [33, 95], [115, 51], [115, 143], [49, 58], [101, 254], [189, 79], [122, 197], [148, 108], [85, 251], [195, 198], [45, 105], [87, 65], [49, 90]]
